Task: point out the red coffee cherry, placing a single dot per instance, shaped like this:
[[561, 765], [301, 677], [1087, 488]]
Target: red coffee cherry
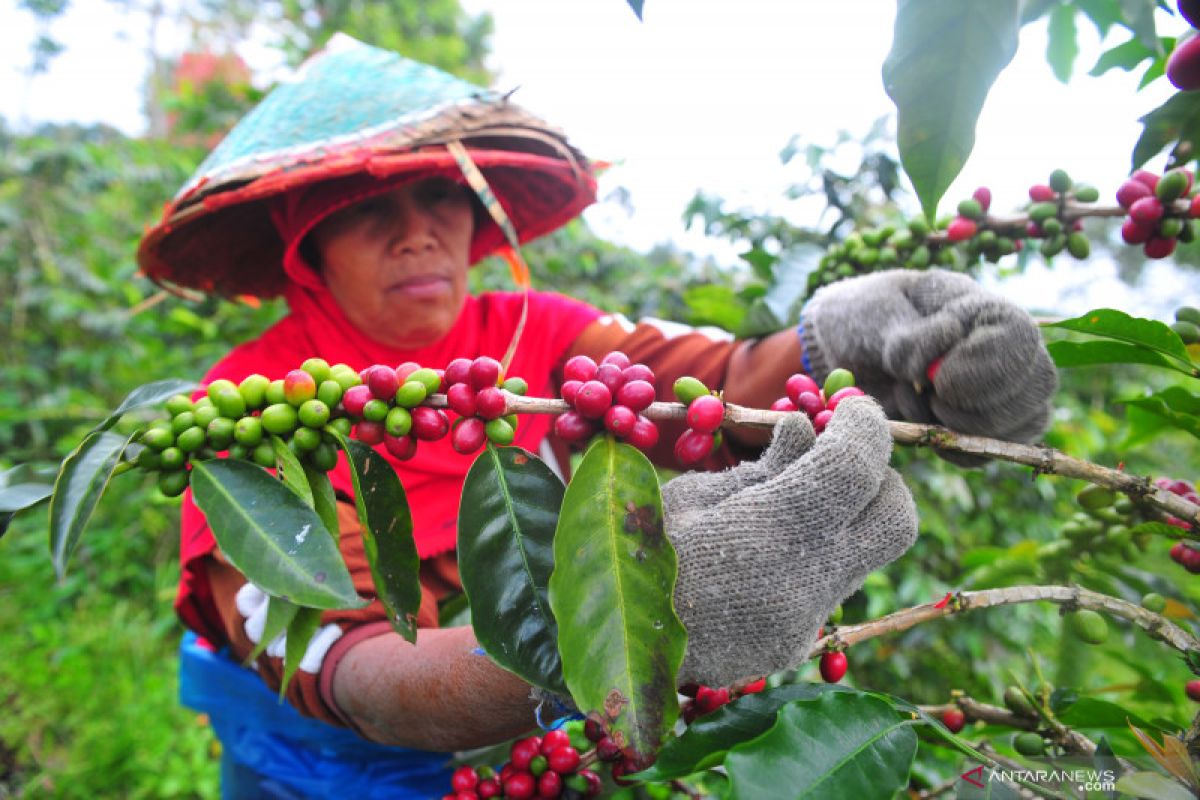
[[593, 399], [1134, 232], [579, 368], [570, 390], [593, 729], [607, 749], [1147, 177], [783, 404], [644, 434], [457, 371], [693, 447], [1193, 690], [429, 424], [798, 384], [549, 785], [961, 229], [1131, 191], [842, 394], [1191, 560], [461, 399], [383, 382], [1041, 193], [401, 447], [488, 788], [638, 372], [1183, 65], [1146, 210], [983, 195], [484, 372], [810, 403], [468, 435], [520, 786], [754, 687], [554, 739], [833, 666], [355, 398], [465, 779], [821, 419], [490, 403], [1158, 247], [563, 760], [522, 752], [406, 369], [573, 427], [637, 394], [954, 719], [620, 421], [368, 432], [611, 376], [617, 358], [705, 413]]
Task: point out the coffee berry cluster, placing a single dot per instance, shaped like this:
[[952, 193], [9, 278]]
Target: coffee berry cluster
[[1160, 212], [310, 407], [611, 396], [1187, 324], [1107, 520], [547, 766], [705, 413], [803, 394]]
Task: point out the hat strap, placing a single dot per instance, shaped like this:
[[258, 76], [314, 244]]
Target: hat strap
[[516, 263]]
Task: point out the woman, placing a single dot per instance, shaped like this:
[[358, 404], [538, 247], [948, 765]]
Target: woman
[[347, 191]]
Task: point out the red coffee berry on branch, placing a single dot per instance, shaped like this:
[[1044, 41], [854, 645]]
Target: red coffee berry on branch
[[355, 398], [554, 739], [954, 719], [705, 414], [1146, 177], [637, 394], [961, 229], [638, 372], [842, 394], [1041, 193], [570, 390], [368, 432], [429, 424], [611, 376], [593, 399], [299, 387], [810, 403], [798, 384], [620, 421], [984, 196], [821, 419], [1134, 232], [644, 434], [484, 372], [1193, 690], [692, 447], [573, 427], [1146, 210], [383, 382], [617, 358], [549, 785], [1157, 247], [488, 788], [401, 447], [468, 435], [520, 786], [406, 369], [783, 404], [465, 779], [457, 371], [833, 666], [579, 368], [490, 403], [461, 399], [563, 760], [1131, 191]]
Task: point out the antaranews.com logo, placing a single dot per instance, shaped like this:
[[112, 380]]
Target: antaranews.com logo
[[1080, 778]]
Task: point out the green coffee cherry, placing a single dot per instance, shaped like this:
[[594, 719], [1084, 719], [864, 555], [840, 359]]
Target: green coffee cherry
[[1040, 212], [230, 403], [324, 457], [1170, 227], [248, 431], [837, 380], [149, 459], [330, 392], [190, 440], [836, 617], [517, 386], [1078, 245], [1052, 226], [970, 208], [279, 418], [1096, 497], [919, 259], [1052, 246], [182, 422], [218, 386], [306, 439], [1189, 332], [1086, 194], [1017, 702], [344, 376], [172, 484], [511, 419], [1170, 187], [1060, 181], [1029, 744], [171, 459], [220, 433], [204, 415], [178, 404], [499, 431], [398, 422], [158, 439], [688, 389], [427, 378], [1188, 314], [239, 451], [318, 368], [411, 394], [1089, 626], [340, 425], [274, 394], [253, 390], [375, 410], [313, 414], [1154, 602], [264, 455]]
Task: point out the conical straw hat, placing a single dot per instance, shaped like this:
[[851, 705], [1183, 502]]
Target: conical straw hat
[[353, 110]]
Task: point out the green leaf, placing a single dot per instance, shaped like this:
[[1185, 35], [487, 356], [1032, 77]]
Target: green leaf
[[1112, 324], [1152, 785], [1061, 46], [1103, 14], [1086, 354], [611, 593], [81, 482], [291, 471], [265, 531], [1156, 529], [1033, 10], [711, 304], [299, 633], [839, 746], [506, 522], [1143, 427], [707, 739], [324, 500], [1093, 713], [387, 531], [146, 395], [1175, 405], [943, 61], [1124, 56], [280, 614], [1177, 120], [1138, 16], [21, 496]]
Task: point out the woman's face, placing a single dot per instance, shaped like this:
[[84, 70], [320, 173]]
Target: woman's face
[[397, 263]]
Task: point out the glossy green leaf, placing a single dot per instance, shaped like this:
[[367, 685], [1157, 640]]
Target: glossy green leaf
[[146, 395], [299, 633], [280, 614], [1109, 323], [1086, 354], [710, 304], [387, 532], [611, 593], [707, 739], [81, 482], [1177, 120], [1124, 56], [1152, 785], [943, 61], [1061, 46], [506, 522], [21, 496], [836, 746], [1094, 713], [272, 536], [1177, 406], [291, 471], [324, 500], [1138, 16]]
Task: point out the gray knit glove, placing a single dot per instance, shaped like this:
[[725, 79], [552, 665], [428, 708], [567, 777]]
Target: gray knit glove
[[996, 377], [769, 548]]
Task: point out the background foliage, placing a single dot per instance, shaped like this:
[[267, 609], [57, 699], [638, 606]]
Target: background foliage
[[88, 680]]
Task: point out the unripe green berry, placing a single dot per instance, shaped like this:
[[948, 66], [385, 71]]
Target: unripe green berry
[[1017, 702], [837, 380], [204, 415], [345, 377], [220, 433], [511, 419], [324, 457], [1154, 602], [313, 414], [1089, 626], [398, 422], [1096, 497], [239, 451], [253, 390], [919, 259], [1052, 227], [411, 394], [330, 392], [182, 422], [918, 227], [1060, 181], [1040, 212], [158, 439], [264, 455], [868, 257], [375, 410], [1078, 245], [171, 459], [499, 431], [1029, 744], [1187, 331], [340, 425], [1086, 194], [1052, 246], [688, 389], [178, 404], [1170, 187], [971, 209], [248, 431], [306, 439], [427, 378], [1170, 227], [274, 394], [229, 403], [888, 256], [218, 386], [149, 459], [517, 386], [191, 439], [172, 484], [318, 368], [279, 419], [836, 617]]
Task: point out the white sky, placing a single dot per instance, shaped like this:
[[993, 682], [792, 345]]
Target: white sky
[[703, 94]]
